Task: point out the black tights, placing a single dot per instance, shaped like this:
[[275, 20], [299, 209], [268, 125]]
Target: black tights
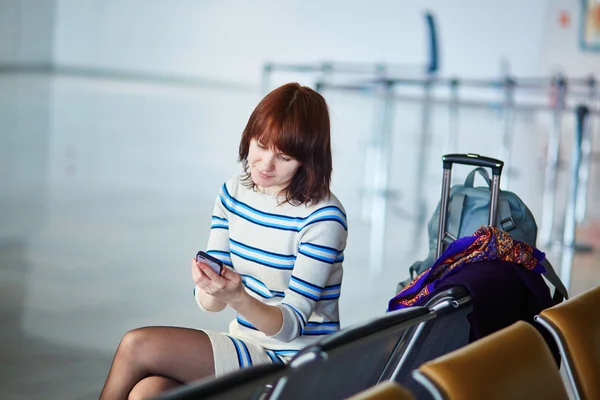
[[153, 359]]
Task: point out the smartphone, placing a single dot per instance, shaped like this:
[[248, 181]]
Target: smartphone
[[211, 261]]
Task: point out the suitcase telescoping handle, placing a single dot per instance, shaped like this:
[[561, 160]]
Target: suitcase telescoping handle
[[477, 161]]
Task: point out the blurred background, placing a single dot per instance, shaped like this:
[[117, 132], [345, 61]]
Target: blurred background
[[120, 119]]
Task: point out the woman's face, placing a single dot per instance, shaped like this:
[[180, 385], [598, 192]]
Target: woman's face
[[270, 170]]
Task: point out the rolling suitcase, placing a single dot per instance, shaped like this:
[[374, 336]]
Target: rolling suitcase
[[473, 160], [506, 212], [443, 236]]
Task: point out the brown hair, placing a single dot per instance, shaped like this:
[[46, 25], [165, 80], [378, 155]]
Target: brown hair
[[294, 120]]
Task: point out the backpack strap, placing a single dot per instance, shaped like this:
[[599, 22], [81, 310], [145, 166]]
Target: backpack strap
[[505, 219], [470, 179], [455, 211], [560, 291], [419, 266], [413, 270]]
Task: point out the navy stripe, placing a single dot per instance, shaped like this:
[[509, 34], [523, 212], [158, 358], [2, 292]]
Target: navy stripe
[[305, 294], [276, 266], [279, 216], [239, 354], [264, 296], [256, 222], [319, 247], [219, 227], [274, 293], [220, 219], [334, 219], [330, 323], [247, 353], [273, 357], [315, 257], [331, 296], [246, 324], [328, 208], [269, 253], [219, 252], [297, 312], [318, 333], [287, 353], [257, 292], [281, 227], [261, 213], [310, 285]]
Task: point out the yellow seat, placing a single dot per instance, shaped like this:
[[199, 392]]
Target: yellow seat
[[388, 390], [575, 325], [513, 363]]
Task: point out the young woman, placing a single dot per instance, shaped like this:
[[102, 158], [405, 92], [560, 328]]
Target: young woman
[[281, 233]]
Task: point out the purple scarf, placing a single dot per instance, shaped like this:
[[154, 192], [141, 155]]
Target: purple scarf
[[488, 243]]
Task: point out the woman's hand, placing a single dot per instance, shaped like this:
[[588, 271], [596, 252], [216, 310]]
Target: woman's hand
[[227, 287]]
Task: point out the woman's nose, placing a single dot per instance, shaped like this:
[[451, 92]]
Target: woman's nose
[[267, 164]]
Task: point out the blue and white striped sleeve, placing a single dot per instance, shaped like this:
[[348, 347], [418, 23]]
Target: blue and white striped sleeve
[[218, 239], [321, 247]]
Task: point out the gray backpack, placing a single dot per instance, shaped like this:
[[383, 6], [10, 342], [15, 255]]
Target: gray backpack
[[468, 210]]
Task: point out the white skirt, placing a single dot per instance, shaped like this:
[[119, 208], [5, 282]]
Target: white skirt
[[232, 353]]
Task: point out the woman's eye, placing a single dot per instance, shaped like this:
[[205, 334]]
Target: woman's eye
[[261, 146], [284, 158]]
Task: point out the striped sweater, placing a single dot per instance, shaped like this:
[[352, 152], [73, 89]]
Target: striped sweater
[[288, 256]]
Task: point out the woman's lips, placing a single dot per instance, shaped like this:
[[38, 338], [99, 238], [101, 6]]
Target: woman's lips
[[263, 175]]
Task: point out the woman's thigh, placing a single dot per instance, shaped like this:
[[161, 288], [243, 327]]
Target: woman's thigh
[[179, 353]]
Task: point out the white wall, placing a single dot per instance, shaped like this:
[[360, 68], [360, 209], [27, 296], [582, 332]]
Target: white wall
[[26, 37], [230, 40], [8, 30], [561, 51], [26, 29], [560, 48]]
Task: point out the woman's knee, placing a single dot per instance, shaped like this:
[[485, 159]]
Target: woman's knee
[[134, 341], [151, 386], [137, 394]]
